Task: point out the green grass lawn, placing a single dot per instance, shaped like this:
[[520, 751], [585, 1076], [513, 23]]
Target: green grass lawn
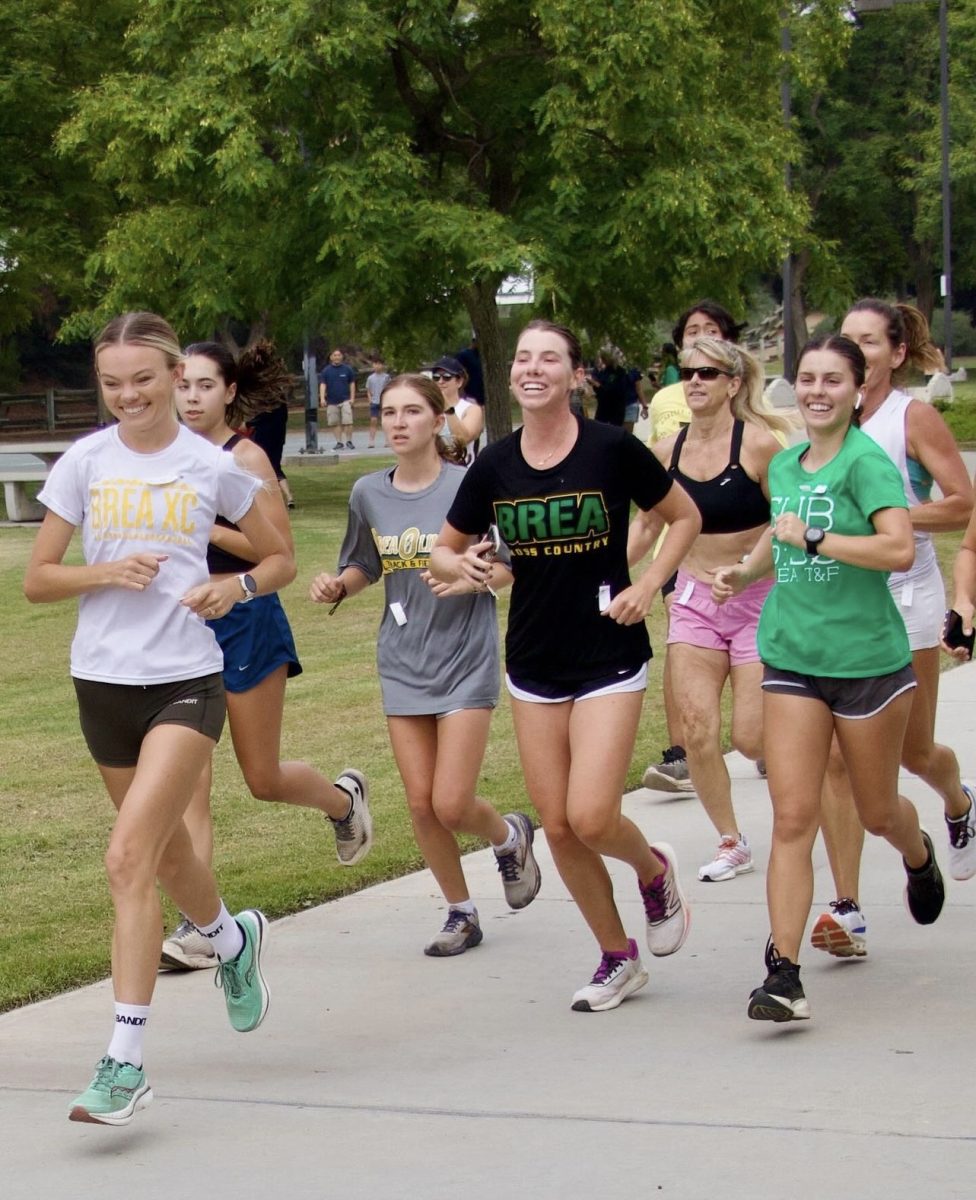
[[55, 903]]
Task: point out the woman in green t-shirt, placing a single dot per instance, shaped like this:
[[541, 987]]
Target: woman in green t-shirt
[[835, 655]]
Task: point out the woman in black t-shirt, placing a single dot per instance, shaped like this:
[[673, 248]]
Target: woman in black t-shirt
[[559, 490]]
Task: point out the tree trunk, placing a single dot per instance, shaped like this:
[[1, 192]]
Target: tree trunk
[[923, 268], [479, 300], [795, 309]]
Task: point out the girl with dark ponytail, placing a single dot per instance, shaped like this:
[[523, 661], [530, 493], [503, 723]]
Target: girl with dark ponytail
[[215, 394]]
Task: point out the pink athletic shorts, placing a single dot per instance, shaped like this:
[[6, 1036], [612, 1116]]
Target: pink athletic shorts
[[696, 620]]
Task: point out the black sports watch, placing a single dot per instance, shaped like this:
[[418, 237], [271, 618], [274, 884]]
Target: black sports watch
[[813, 537], [248, 587]]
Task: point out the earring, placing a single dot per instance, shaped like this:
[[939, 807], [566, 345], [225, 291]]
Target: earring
[[858, 401]]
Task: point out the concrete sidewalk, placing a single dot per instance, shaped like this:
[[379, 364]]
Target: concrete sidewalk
[[380, 1074]]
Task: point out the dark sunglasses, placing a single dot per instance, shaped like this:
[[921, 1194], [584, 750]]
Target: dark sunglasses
[[687, 374], [440, 376]]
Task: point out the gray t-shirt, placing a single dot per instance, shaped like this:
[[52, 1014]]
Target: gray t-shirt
[[376, 381], [434, 655]]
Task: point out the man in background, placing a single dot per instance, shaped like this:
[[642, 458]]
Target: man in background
[[337, 390]]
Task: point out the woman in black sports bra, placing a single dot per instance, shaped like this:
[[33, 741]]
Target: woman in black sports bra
[[721, 459]]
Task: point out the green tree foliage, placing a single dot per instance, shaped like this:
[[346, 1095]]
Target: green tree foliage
[[51, 212], [366, 164], [872, 170]]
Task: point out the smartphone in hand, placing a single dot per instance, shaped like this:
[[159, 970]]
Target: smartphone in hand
[[953, 635], [494, 537]]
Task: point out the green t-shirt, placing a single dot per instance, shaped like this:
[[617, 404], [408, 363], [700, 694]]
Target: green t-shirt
[[825, 617]]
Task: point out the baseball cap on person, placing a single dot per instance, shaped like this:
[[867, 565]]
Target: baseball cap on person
[[449, 365]]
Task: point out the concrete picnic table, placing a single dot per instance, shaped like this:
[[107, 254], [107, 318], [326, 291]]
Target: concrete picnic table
[[24, 461]]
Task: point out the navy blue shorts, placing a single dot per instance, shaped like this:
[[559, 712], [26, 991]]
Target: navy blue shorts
[[256, 639]]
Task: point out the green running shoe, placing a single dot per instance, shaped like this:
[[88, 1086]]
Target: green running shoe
[[113, 1096], [245, 990]]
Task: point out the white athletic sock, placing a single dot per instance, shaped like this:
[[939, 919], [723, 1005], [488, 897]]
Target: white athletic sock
[[130, 1029], [509, 843], [464, 906], [346, 792], [225, 935]]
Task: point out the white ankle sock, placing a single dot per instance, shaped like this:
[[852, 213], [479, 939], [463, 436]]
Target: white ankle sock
[[130, 1029], [464, 906], [509, 843], [225, 935]]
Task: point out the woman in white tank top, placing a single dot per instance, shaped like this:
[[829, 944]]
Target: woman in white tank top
[[892, 339]]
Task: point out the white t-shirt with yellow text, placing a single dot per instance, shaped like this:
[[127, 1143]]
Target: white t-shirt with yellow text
[[162, 503]]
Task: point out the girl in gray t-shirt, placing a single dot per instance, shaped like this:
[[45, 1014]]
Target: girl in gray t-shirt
[[437, 654]]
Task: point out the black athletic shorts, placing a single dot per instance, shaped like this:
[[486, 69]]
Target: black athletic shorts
[[115, 717]]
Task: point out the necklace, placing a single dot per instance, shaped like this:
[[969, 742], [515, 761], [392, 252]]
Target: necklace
[[540, 460]]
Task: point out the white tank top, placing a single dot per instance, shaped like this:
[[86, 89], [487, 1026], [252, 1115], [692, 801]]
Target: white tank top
[[887, 428]]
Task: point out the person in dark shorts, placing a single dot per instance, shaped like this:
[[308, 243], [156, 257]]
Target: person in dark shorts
[[145, 493], [560, 490], [835, 653]]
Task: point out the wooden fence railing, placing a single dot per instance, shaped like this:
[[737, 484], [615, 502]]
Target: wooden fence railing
[[56, 410]]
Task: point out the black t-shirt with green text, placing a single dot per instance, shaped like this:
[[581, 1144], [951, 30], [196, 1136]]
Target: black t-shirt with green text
[[566, 529]]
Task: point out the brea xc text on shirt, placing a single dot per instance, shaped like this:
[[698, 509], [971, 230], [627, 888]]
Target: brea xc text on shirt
[[122, 506]]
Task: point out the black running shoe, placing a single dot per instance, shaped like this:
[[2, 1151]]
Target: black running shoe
[[781, 997], [924, 889]]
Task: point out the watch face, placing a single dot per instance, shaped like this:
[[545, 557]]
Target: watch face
[[249, 584]]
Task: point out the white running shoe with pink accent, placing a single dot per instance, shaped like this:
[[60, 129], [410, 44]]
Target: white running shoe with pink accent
[[733, 857]]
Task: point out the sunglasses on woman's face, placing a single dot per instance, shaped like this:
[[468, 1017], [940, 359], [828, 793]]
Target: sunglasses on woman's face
[[441, 376], [687, 374]]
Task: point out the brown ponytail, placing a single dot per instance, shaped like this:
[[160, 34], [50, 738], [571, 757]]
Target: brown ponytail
[[905, 326]]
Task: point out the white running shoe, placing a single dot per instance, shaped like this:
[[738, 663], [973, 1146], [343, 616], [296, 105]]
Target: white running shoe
[[461, 931], [665, 907], [518, 868], [733, 857], [353, 833], [186, 949], [617, 977], [842, 932], [962, 840]]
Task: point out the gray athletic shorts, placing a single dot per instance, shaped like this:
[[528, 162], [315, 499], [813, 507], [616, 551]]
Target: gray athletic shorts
[[115, 717], [855, 699]]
